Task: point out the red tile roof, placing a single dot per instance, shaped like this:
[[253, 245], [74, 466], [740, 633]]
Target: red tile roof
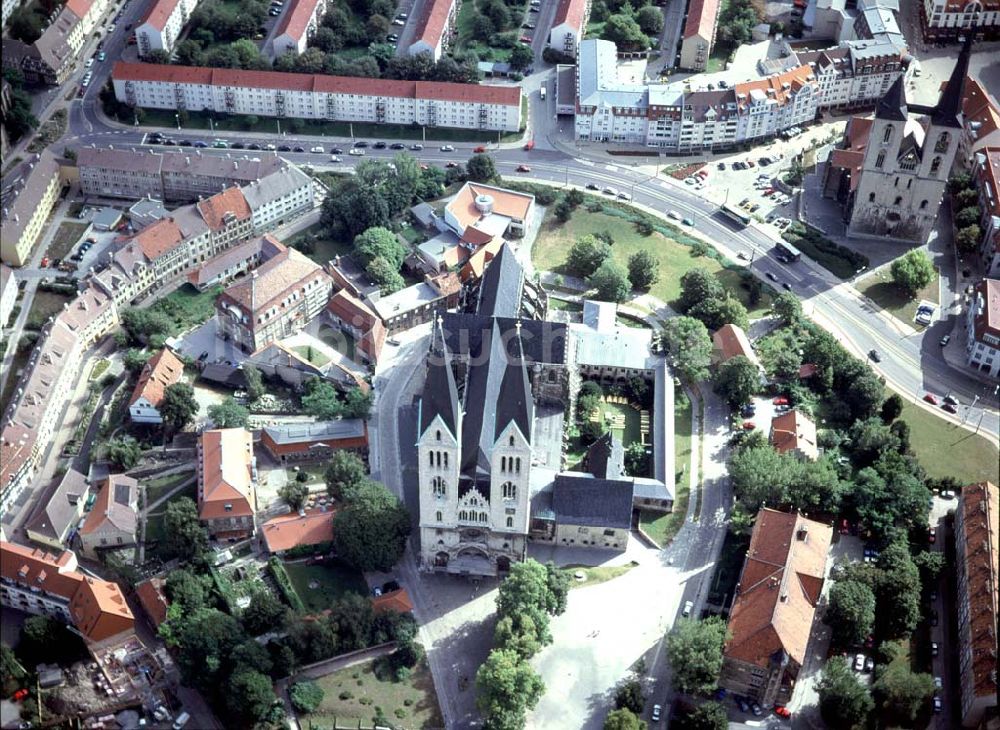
[[113, 506], [730, 341], [160, 371], [296, 21], [701, 18], [153, 599], [779, 588], [978, 107], [793, 431], [285, 532], [159, 238], [225, 476], [774, 87], [397, 601], [437, 90], [97, 607], [980, 525], [433, 22], [160, 13], [572, 13], [986, 299], [273, 282], [215, 211]]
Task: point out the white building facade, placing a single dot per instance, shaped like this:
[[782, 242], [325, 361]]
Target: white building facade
[[163, 24], [332, 98]]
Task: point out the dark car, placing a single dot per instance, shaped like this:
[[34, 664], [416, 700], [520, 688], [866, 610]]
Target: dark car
[[151, 140], [238, 145], [299, 149], [397, 146], [593, 186], [284, 148], [185, 143], [770, 275], [721, 166], [170, 142], [361, 143], [336, 151], [203, 356], [949, 408], [253, 146], [744, 707], [748, 411], [934, 618], [874, 356], [379, 145], [786, 286]]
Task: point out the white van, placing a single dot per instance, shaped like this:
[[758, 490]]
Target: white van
[[182, 720]]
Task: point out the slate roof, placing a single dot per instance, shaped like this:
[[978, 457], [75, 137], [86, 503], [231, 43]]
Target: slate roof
[[948, 112], [440, 396], [500, 288], [60, 513], [606, 457], [589, 501], [542, 341], [892, 106]]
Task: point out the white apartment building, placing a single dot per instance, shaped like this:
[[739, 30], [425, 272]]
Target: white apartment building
[[162, 25], [305, 96], [297, 26], [568, 25], [783, 90], [949, 20], [8, 293], [982, 346], [435, 28], [281, 196]]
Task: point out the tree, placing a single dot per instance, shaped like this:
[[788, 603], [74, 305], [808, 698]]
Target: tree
[[628, 696], [521, 56], [186, 590], [370, 532], [623, 720], [870, 439], [134, 360], [204, 640], [185, 536], [228, 414], [688, 346], [737, 380], [25, 25], [967, 239], [851, 613], [508, 688], [295, 494], [902, 692], [967, 217], [787, 307], [716, 313], [892, 408], [707, 716], [694, 649], [379, 242], [306, 696], [625, 33], [179, 406], [586, 256], [255, 381], [912, 271], [897, 591], [843, 701], [761, 475], [250, 695], [46, 639], [321, 400], [643, 269], [388, 278], [611, 282], [344, 472], [697, 285], [265, 613], [481, 168], [124, 452], [650, 19]]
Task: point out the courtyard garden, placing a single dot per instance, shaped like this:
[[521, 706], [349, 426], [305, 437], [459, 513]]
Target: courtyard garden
[[319, 584], [363, 695]]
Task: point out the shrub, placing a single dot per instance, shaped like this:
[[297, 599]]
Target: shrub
[[284, 583]]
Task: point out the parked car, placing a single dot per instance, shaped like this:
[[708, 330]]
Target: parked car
[[755, 709], [944, 340], [593, 186], [938, 704], [934, 648], [379, 146], [874, 356], [624, 196], [655, 716], [447, 148], [749, 425], [931, 398], [951, 399], [934, 617], [450, 165], [949, 408], [780, 401], [318, 149], [523, 168], [356, 152], [932, 535], [688, 608], [608, 190], [479, 150], [298, 149], [721, 166], [748, 411], [360, 143], [870, 664], [397, 146], [770, 275], [783, 712], [859, 663], [938, 683], [416, 147], [845, 527], [688, 222], [743, 704]]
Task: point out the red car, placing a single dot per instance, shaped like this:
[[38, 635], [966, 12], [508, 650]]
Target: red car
[[45, 261], [530, 145], [845, 527], [479, 150], [782, 401], [523, 168], [20, 695], [930, 398], [950, 408], [525, 39], [782, 711], [749, 426]]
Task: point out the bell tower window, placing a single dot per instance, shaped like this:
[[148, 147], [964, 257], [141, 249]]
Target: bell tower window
[[880, 160], [439, 487], [887, 135], [508, 491]]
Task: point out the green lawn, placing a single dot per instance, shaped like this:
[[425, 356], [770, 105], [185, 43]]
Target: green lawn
[[311, 354], [355, 695], [315, 243], [627, 434], [331, 580], [565, 306], [44, 304], [838, 260], [945, 449], [598, 574], [675, 258], [880, 289], [64, 239], [156, 488], [663, 527], [187, 307]]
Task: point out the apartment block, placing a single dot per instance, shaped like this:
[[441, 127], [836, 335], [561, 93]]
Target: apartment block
[[699, 33], [945, 21], [276, 300], [113, 520], [180, 177], [435, 28], [40, 583], [305, 96], [298, 24], [61, 512], [8, 293], [980, 122], [986, 171], [287, 194], [35, 187], [162, 25], [982, 345], [568, 26], [977, 531]]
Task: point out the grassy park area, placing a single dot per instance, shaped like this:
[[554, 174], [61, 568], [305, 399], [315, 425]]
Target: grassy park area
[[945, 449], [312, 355], [355, 695], [321, 584], [187, 307], [880, 288], [676, 255]]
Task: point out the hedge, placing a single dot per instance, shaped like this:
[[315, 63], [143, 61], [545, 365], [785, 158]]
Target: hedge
[[285, 585], [303, 551], [837, 259]]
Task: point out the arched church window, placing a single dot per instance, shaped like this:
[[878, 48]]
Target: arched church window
[[463, 515], [439, 487], [887, 135], [880, 160], [942, 143], [483, 517], [511, 440], [510, 522], [440, 517], [899, 199], [508, 491], [923, 204], [438, 434], [871, 197], [935, 165]]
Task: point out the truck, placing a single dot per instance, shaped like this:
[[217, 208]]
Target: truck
[[541, 93]]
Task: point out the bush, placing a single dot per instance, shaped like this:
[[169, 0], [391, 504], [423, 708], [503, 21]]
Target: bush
[[306, 696], [840, 260]]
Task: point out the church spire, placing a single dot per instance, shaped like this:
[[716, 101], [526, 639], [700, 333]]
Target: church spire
[[893, 104], [948, 112], [440, 393]]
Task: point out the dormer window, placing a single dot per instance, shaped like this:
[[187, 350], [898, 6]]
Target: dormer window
[[228, 507]]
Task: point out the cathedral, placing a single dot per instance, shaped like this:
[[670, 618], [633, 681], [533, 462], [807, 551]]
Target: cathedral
[[905, 161]]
